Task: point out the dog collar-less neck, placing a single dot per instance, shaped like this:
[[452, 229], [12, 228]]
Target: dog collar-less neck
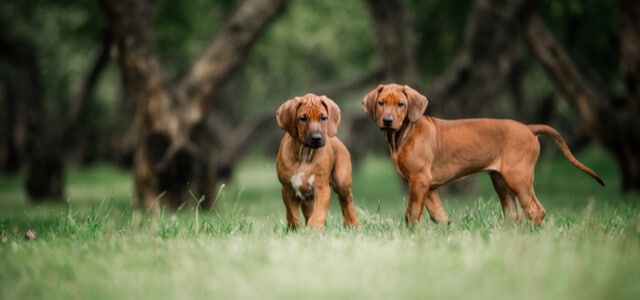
[[395, 138], [305, 153]]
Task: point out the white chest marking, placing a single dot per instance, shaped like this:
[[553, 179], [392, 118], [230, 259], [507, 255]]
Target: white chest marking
[[310, 180], [297, 182]]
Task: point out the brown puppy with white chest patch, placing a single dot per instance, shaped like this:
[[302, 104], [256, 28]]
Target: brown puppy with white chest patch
[[430, 152], [310, 159]]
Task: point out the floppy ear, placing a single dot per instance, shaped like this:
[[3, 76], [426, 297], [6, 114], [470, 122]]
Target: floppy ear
[[334, 115], [369, 101], [417, 104], [286, 116]]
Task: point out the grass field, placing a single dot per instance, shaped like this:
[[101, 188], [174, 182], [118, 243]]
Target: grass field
[[94, 247]]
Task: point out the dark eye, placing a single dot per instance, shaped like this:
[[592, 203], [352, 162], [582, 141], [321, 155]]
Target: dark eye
[[381, 103], [324, 118], [400, 104], [303, 118]]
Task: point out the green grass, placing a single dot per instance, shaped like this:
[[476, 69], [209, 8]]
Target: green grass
[[94, 247]]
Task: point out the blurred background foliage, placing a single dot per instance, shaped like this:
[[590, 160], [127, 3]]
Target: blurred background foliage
[[312, 47]]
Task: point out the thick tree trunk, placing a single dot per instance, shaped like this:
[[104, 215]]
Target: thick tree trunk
[[164, 159], [15, 73], [174, 161], [612, 119], [490, 49], [44, 172], [630, 68], [10, 157], [394, 41]]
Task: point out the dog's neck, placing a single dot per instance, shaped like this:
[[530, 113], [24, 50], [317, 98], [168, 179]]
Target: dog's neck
[[395, 139], [305, 154]]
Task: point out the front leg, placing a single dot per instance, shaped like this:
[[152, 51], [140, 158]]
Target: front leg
[[417, 193], [321, 200], [292, 206]]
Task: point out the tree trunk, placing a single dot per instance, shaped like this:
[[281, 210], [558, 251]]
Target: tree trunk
[[44, 174], [612, 119], [394, 41], [630, 68], [490, 49], [15, 72], [10, 157], [174, 163]]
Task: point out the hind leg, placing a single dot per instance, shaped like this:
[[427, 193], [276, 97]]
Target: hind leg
[[518, 170], [435, 209], [523, 189], [541, 211], [530, 204], [510, 209]]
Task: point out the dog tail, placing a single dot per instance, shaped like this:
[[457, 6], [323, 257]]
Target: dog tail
[[552, 133]]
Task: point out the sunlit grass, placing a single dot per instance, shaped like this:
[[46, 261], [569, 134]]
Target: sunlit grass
[[94, 247]]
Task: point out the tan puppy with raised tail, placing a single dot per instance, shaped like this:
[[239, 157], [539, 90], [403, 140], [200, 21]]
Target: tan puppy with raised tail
[[430, 152], [310, 159]]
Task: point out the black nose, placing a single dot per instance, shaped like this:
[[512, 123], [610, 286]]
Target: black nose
[[387, 120], [316, 137], [315, 140]]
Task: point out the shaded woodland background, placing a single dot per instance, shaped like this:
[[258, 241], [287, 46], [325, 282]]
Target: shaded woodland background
[[180, 91]]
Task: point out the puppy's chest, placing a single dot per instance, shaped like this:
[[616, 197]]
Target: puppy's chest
[[302, 184], [304, 178]]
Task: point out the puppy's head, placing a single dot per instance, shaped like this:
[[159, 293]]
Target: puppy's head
[[310, 119], [391, 104]]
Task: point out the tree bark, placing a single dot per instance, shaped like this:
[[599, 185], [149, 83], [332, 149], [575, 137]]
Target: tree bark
[[45, 173], [174, 162], [225, 53], [492, 40], [41, 147], [393, 29], [40, 152], [612, 119]]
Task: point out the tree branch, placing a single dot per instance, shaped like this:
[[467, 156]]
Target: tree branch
[[202, 83], [489, 50], [348, 85], [580, 90], [80, 102]]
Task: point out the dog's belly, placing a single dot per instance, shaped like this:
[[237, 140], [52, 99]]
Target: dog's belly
[[436, 183], [443, 175]]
